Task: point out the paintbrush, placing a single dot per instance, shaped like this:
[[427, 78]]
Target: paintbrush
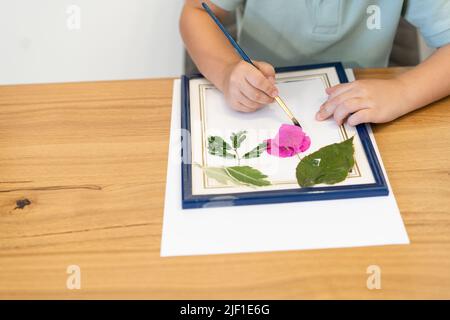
[[247, 59]]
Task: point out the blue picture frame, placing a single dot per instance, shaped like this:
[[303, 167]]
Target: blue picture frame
[[379, 188]]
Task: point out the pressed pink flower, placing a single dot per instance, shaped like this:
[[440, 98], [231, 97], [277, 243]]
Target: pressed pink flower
[[289, 141]]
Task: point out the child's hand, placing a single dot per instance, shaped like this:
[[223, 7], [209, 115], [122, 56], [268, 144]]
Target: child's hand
[[364, 101], [246, 88]]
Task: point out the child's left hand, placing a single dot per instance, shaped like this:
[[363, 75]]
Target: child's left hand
[[364, 101]]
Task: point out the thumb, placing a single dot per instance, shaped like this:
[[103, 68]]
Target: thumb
[[267, 69]]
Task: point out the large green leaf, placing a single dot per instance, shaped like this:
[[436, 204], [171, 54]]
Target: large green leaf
[[248, 175], [237, 138], [255, 152], [219, 147], [329, 165]]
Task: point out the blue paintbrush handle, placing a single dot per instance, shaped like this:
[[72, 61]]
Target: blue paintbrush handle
[[225, 32]]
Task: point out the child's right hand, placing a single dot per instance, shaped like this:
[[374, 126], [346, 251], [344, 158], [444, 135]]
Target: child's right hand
[[246, 88]]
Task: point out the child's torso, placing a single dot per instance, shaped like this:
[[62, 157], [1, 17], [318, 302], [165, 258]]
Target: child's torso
[[288, 32]]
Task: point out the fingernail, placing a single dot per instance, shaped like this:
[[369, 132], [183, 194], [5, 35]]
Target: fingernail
[[274, 93], [318, 116]]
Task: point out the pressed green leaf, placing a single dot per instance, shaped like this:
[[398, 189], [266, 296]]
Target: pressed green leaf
[[329, 165], [237, 138], [256, 152], [219, 147], [223, 175], [220, 174], [248, 175]]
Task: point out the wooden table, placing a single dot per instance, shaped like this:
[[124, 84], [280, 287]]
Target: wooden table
[[82, 179]]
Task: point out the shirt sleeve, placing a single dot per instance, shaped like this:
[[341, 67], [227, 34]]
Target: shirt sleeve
[[228, 5], [432, 18]]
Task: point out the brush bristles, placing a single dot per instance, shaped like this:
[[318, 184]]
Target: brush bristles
[[296, 122]]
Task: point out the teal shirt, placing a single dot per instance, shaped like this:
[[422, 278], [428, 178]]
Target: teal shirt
[[291, 32]]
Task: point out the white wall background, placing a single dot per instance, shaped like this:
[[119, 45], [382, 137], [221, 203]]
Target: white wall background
[[117, 39]]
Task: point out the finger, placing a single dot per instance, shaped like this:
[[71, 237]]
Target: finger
[[242, 108], [249, 103], [255, 94], [267, 69], [328, 108], [338, 89], [259, 81], [346, 108], [325, 111], [341, 98], [362, 116]]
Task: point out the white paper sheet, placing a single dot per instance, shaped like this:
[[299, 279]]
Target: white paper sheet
[[275, 227]]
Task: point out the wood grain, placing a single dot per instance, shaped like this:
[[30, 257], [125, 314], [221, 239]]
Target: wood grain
[[91, 159]]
